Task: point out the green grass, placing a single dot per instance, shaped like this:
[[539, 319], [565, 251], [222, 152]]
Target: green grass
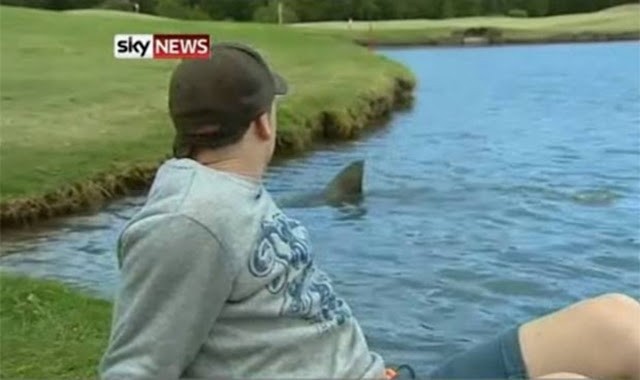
[[71, 111], [48, 331], [617, 20]]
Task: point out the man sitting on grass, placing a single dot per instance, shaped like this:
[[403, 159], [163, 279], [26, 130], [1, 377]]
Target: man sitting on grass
[[217, 282]]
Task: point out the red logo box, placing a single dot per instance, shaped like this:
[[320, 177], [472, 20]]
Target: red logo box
[[181, 46]]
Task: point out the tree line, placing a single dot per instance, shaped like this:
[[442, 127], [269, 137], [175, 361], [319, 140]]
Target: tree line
[[320, 10]]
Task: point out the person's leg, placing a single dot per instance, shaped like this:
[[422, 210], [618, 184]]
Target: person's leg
[[497, 358], [599, 338]]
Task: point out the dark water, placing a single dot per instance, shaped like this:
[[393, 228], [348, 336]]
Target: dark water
[[511, 189]]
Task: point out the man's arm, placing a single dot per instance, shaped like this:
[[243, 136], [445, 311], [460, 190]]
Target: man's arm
[[174, 282]]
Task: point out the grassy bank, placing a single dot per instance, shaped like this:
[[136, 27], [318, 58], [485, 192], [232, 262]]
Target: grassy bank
[[616, 23], [49, 331], [79, 126]]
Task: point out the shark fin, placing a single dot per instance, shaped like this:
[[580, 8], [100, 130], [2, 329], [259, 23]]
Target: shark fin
[[347, 185]]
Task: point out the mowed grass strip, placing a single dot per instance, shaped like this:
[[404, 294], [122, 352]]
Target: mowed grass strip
[[70, 110]]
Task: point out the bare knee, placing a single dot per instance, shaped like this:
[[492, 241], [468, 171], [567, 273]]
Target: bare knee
[[616, 319], [563, 376], [598, 337], [614, 312], [617, 301]]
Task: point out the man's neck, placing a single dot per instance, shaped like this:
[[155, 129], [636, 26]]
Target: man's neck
[[234, 165]]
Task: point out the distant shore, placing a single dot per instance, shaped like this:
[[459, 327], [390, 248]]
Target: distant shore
[[559, 39], [614, 24]]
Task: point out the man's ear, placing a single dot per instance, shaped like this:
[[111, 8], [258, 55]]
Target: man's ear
[[264, 129]]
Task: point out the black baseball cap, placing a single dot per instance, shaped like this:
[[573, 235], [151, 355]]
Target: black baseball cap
[[212, 101]]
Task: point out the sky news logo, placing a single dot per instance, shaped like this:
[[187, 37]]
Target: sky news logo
[[161, 46]]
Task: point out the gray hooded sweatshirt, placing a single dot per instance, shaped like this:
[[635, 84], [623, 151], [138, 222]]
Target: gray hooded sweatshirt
[[217, 282]]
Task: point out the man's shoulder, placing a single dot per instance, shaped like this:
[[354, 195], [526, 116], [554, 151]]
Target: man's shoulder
[[182, 187], [162, 223], [230, 208]]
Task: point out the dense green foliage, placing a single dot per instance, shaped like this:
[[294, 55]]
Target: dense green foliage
[[317, 10]]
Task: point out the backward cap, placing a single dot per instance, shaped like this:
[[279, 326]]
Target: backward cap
[[212, 101]]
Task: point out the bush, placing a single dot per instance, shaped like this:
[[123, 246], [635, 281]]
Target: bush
[[118, 5], [177, 9], [196, 13], [517, 13], [171, 8], [265, 14], [53, 4], [269, 14]]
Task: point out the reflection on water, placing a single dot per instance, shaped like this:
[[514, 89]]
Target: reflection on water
[[512, 188]]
